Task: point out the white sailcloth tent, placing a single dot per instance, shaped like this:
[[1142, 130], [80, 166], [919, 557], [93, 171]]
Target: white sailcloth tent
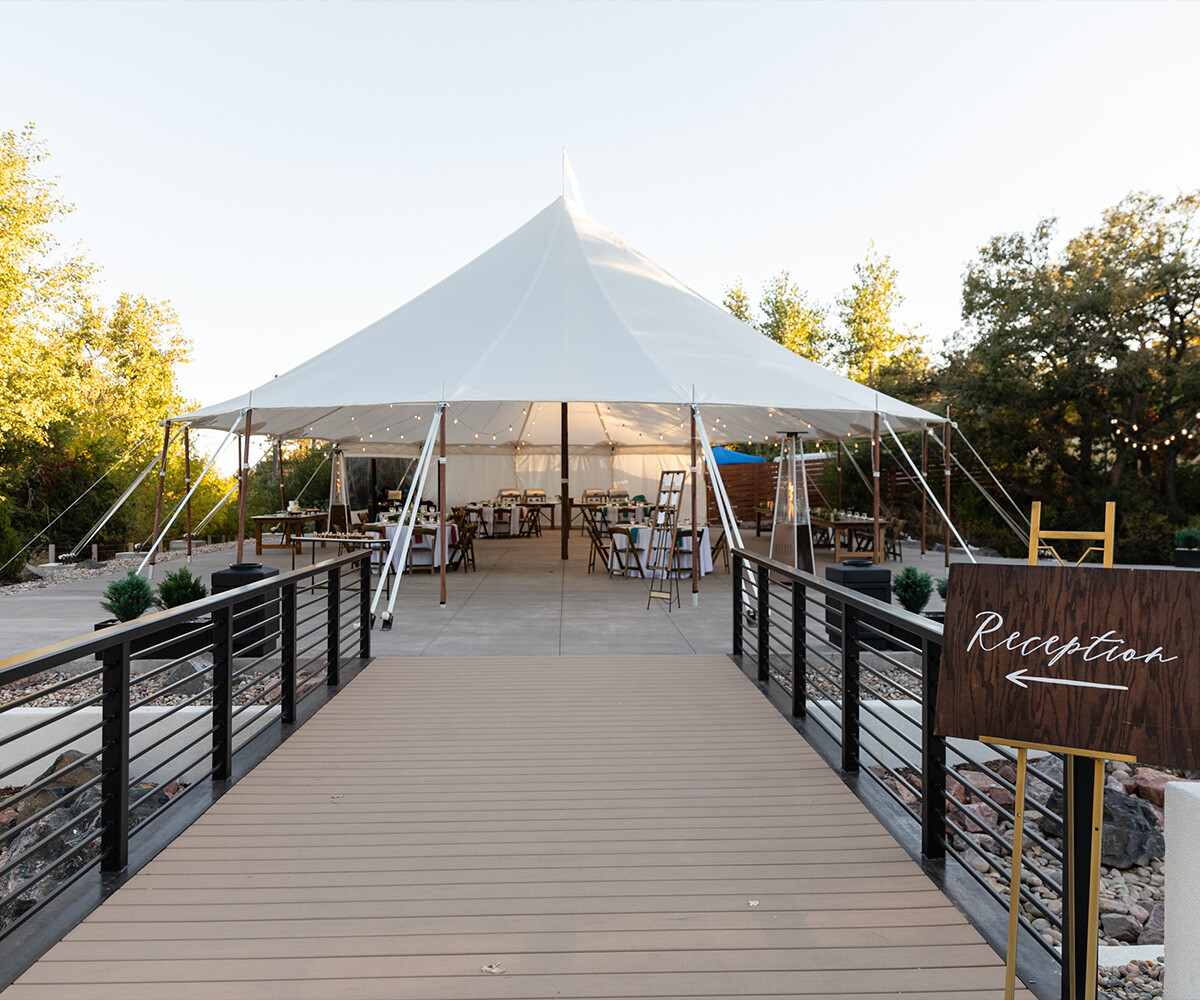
[[560, 311]]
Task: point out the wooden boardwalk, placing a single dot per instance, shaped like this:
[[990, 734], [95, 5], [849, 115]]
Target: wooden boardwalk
[[592, 826]]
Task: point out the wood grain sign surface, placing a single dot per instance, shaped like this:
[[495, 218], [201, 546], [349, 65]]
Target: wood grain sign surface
[[1088, 658]]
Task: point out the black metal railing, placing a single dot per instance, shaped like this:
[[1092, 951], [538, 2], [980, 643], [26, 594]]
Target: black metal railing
[[92, 756], [859, 679]]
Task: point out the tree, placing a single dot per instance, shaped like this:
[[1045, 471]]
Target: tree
[[1079, 371], [38, 290], [788, 317], [870, 339]]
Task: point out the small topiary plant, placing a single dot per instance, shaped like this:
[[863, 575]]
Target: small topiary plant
[[128, 597], [942, 586], [1187, 538], [913, 589], [180, 587]]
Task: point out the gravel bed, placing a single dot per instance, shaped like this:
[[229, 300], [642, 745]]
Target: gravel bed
[[87, 570]]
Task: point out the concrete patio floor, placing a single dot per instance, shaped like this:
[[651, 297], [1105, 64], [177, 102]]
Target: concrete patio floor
[[523, 599]]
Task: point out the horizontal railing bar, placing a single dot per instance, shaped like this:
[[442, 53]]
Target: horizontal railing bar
[[48, 780], [66, 682], [49, 721]]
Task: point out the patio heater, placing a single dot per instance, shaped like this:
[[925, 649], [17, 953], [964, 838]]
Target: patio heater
[[791, 530]]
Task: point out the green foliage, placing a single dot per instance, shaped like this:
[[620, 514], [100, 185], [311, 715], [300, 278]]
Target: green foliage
[[913, 589], [39, 288], [788, 316], [1078, 374], [180, 587], [943, 585], [128, 597], [1187, 538], [869, 339], [10, 545]]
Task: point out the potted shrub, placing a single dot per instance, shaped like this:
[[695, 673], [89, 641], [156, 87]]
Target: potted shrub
[[1187, 548], [131, 596], [913, 589]]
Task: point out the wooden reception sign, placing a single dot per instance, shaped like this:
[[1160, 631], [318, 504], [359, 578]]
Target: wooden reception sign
[[1104, 660]]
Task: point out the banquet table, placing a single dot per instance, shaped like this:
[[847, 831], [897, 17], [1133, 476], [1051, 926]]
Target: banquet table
[[683, 560], [425, 551], [844, 527], [287, 521]]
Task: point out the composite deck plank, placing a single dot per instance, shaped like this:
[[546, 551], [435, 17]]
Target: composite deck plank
[[600, 827]]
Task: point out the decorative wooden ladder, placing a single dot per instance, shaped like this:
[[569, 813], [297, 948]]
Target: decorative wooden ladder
[[664, 535]]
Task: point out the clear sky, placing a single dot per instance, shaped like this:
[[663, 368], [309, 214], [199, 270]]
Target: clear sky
[[286, 173]]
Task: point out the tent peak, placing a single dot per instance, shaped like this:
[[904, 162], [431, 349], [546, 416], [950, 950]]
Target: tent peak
[[570, 184]]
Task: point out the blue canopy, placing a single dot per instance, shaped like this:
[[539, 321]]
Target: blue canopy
[[726, 456]]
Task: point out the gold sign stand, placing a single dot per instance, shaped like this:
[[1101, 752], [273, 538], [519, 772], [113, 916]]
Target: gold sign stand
[[1014, 890], [1088, 990]]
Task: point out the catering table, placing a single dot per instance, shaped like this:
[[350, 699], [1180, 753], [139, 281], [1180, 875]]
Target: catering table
[[375, 543], [640, 533], [287, 521]]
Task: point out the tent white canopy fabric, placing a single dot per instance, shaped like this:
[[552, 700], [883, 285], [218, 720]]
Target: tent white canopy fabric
[[562, 310]]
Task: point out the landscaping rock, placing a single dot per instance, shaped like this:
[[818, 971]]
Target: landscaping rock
[[1121, 926], [1152, 932], [1152, 783], [1132, 835]]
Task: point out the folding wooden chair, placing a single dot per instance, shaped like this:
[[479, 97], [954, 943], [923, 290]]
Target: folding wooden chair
[[599, 547], [628, 558], [462, 552], [531, 523], [721, 548]]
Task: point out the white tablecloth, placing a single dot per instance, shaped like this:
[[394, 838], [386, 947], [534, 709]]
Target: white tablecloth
[[683, 559], [499, 526], [426, 549]]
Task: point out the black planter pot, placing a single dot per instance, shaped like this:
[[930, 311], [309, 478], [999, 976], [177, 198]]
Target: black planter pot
[[178, 638], [935, 616], [1187, 558]]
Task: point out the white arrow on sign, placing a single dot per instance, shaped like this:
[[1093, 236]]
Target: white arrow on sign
[[1019, 677]]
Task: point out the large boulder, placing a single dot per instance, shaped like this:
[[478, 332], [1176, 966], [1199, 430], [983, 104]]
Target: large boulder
[[1132, 835]]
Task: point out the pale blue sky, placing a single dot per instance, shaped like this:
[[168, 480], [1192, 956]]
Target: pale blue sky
[[286, 173]]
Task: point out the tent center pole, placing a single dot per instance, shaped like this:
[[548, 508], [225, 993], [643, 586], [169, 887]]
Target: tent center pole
[[947, 458], [565, 487]]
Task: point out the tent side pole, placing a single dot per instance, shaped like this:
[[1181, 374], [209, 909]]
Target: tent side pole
[[412, 502], [925, 478], [441, 508], [838, 449], [162, 480], [695, 546], [566, 485], [244, 448], [877, 556], [187, 490], [946, 456]]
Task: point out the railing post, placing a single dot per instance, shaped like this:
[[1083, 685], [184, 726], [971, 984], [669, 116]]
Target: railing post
[[222, 683], [364, 607], [799, 651], [287, 659], [849, 687], [114, 761], [933, 757], [333, 638], [737, 603], [764, 624]]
